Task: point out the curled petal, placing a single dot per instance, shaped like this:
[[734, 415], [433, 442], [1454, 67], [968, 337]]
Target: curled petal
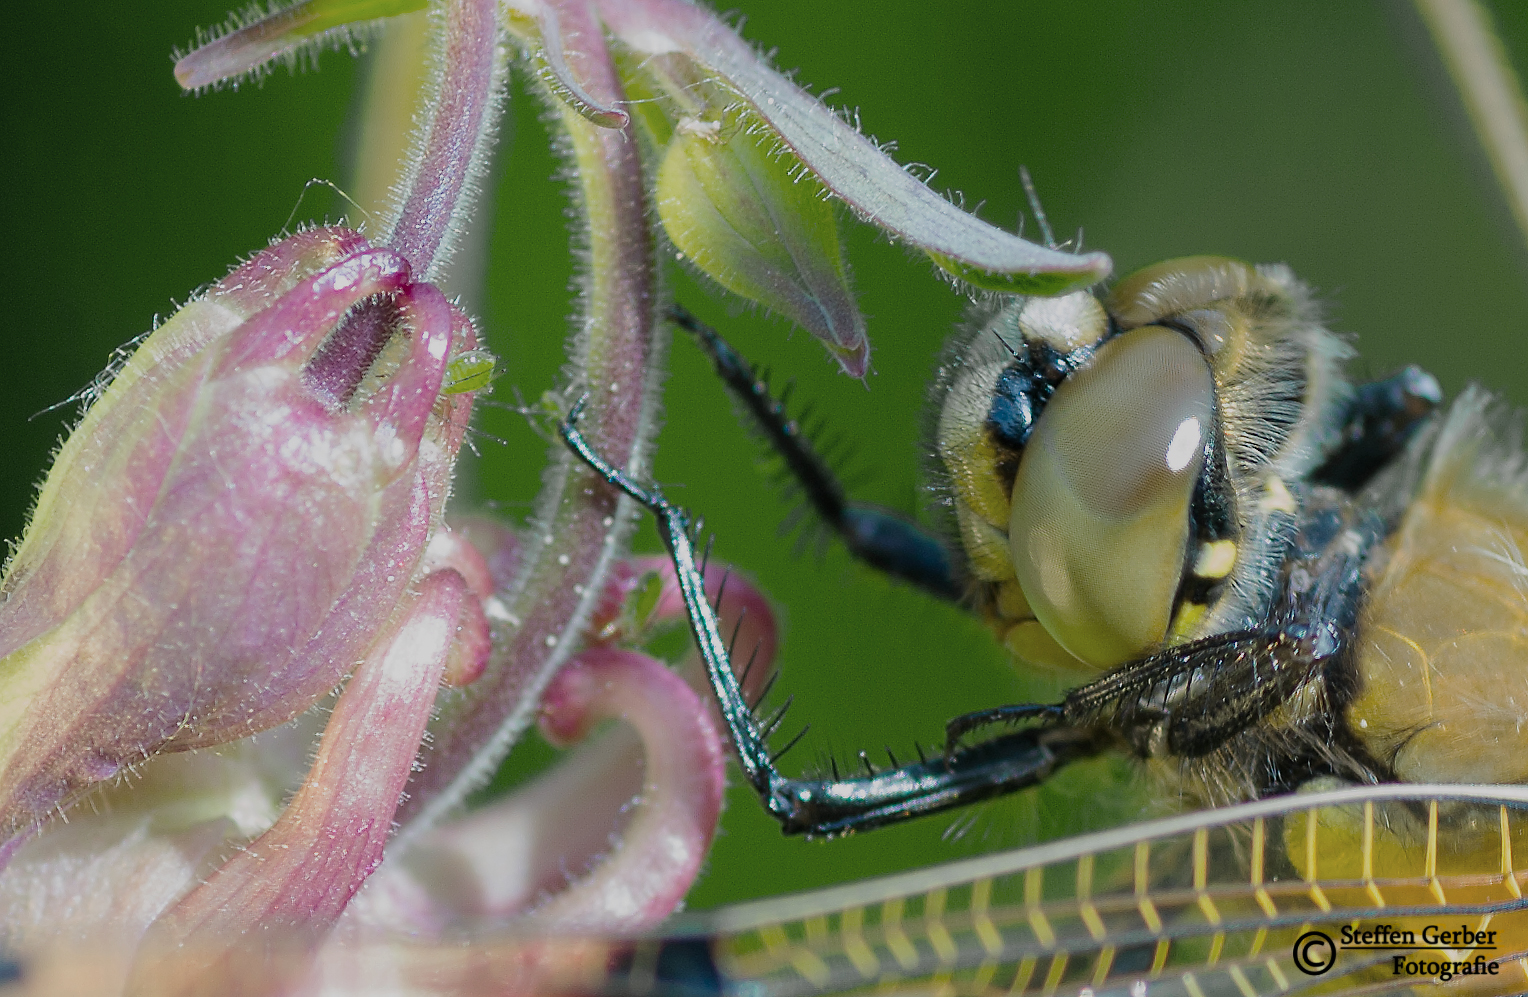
[[572, 845], [661, 850], [247, 44], [486, 553], [473, 646], [304, 870], [474, 642]]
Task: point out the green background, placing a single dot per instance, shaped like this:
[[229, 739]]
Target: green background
[[1322, 135]]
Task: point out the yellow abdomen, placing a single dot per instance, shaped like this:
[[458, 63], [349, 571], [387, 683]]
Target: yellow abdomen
[[1444, 656]]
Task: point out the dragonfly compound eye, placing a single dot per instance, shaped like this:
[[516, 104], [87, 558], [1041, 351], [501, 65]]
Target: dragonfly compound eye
[[1099, 527]]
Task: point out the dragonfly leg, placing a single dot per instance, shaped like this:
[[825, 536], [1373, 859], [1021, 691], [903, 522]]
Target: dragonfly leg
[[956, 730], [827, 807], [1202, 694], [884, 539], [1381, 418]]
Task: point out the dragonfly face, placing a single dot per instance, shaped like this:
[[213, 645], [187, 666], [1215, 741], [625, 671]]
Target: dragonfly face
[[1176, 487], [1119, 469], [1310, 513]]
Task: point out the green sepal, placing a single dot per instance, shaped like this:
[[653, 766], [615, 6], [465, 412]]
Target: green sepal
[[745, 211]]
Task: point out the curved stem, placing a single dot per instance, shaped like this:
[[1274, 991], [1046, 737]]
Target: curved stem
[[580, 527], [461, 111]]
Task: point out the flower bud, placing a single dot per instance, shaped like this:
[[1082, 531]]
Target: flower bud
[[224, 535], [747, 213]]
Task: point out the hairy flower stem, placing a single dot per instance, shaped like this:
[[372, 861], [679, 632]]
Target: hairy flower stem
[[452, 146], [580, 527]]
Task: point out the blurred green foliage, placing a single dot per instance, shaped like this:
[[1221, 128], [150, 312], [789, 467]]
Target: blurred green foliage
[[1321, 135]]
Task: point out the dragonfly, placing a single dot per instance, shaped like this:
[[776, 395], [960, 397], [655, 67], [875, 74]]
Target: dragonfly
[[1297, 501], [812, 624], [1391, 840]]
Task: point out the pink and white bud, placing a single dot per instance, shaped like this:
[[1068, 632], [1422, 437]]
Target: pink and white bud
[[233, 523]]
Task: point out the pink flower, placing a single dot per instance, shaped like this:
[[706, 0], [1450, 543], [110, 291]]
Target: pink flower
[[238, 515], [189, 873]]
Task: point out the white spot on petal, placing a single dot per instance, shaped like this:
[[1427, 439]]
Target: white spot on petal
[[651, 42], [422, 639], [494, 609]]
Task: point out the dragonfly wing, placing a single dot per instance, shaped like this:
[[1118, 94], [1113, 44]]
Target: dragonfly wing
[[1214, 902]]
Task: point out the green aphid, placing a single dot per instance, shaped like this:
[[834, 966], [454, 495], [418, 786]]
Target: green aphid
[[470, 371], [642, 605]]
